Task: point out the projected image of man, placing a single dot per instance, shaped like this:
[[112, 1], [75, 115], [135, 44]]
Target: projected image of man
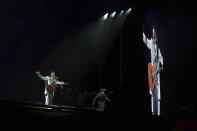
[[157, 60]]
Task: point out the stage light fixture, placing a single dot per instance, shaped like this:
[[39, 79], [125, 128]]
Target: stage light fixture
[[129, 10], [113, 14], [105, 16], [121, 12]]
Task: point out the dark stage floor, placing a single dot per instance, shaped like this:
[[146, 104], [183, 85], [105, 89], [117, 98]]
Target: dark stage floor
[[28, 116]]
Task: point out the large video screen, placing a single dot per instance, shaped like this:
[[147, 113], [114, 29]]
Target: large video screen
[[169, 37]]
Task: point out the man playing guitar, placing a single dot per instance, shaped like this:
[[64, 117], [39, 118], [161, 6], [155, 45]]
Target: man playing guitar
[[51, 83], [154, 72]]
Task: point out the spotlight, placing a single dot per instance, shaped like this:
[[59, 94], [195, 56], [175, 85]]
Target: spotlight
[[129, 10], [113, 14], [105, 16], [121, 12]]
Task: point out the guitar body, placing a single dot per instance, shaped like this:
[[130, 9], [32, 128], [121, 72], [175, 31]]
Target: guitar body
[[152, 68], [51, 88]]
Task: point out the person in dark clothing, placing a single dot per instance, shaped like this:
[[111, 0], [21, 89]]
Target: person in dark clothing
[[102, 97]]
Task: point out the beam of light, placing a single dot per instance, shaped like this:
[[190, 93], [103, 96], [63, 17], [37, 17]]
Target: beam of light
[[128, 11], [121, 13], [105, 16], [113, 14]]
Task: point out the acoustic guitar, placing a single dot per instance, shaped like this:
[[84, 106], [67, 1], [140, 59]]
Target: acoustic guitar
[[152, 72], [51, 88]]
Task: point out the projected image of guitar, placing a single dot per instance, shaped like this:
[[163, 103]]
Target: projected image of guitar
[[52, 87], [152, 73]]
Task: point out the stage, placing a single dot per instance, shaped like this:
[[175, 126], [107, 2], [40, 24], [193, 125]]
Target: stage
[[28, 116]]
